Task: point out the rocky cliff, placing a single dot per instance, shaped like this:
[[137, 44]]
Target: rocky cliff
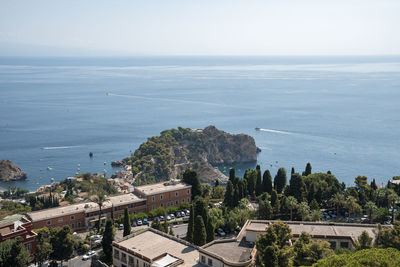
[[166, 156], [10, 172]]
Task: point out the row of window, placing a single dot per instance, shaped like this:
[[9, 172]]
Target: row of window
[[131, 259], [153, 198], [171, 203], [60, 220], [342, 244]]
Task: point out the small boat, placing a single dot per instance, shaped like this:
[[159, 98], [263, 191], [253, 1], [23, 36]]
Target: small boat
[[49, 168], [105, 162], [258, 128]]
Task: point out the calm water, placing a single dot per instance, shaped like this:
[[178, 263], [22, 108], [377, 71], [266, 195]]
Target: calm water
[[340, 114]]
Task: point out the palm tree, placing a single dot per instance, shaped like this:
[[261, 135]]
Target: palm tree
[[304, 210], [291, 204], [338, 200], [316, 215], [370, 208], [393, 198], [100, 199], [351, 204]]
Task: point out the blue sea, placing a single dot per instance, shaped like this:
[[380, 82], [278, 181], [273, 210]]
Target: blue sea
[[339, 113]]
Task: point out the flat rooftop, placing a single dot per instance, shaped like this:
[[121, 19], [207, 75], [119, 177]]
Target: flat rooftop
[[152, 244], [85, 206], [167, 186], [317, 228], [231, 250]]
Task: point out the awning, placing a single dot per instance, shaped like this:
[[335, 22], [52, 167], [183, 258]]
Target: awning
[[95, 220], [164, 261]]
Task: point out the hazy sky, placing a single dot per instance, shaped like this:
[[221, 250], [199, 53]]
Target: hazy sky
[[199, 27]]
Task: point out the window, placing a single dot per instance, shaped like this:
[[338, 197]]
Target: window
[[131, 205], [344, 244], [203, 259], [162, 205], [152, 199], [183, 200], [188, 200], [333, 244], [176, 194], [72, 226], [130, 260], [79, 224], [152, 207], [87, 214], [72, 217], [161, 197], [116, 253], [60, 220], [116, 208], [123, 257], [209, 262], [29, 246], [176, 202], [188, 192], [48, 222]]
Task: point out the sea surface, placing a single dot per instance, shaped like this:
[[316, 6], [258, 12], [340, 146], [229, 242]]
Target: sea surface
[[339, 113]]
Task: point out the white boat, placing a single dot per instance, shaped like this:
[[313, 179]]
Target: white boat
[[258, 128]]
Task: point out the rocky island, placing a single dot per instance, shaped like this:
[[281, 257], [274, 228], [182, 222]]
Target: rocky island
[[166, 156], [10, 172]]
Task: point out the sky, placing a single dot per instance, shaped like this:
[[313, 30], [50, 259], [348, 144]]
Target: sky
[[199, 28]]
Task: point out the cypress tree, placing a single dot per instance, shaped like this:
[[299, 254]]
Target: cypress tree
[[258, 181], [106, 242], [231, 174], [127, 223], [236, 196], [201, 208], [296, 187], [280, 180], [191, 177], [274, 197], [307, 170], [373, 185], [200, 237], [210, 230], [190, 230], [251, 182], [292, 171], [164, 226], [228, 200], [267, 182], [216, 183]]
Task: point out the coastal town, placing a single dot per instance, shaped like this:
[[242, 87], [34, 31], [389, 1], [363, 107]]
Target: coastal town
[[183, 222]]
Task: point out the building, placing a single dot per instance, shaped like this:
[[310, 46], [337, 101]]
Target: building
[[86, 215], [339, 235], [165, 194], [18, 226], [153, 248]]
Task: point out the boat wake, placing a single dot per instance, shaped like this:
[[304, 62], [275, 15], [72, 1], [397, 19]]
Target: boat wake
[[57, 147], [274, 131]]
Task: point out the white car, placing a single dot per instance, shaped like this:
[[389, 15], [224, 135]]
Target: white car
[[89, 255], [139, 222]]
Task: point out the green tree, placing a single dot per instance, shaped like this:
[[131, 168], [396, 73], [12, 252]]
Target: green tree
[[19, 255], [216, 183], [272, 248], [316, 215], [210, 230], [338, 200], [156, 224], [191, 177], [274, 197], [200, 237], [307, 170], [304, 210], [190, 230], [258, 188], [314, 205], [264, 209], [267, 182], [63, 244], [291, 203], [127, 223], [43, 246], [280, 180], [351, 204], [100, 199], [393, 198], [106, 242], [232, 174], [364, 241], [164, 226], [218, 192], [296, 186], [201, 208], [171, 232], [371, 209], [229, 194]]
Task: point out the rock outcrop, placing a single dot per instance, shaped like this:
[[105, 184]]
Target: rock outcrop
[[10, 172], [166, 156]]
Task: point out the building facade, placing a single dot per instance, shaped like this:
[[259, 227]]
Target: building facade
[[20, 227]]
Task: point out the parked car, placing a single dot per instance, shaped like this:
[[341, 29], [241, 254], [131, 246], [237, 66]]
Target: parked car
[[178, 214], [162, 218], [187, 212], [168, 217], [139, 222], [221, 232], [172, 216], [88, 255], [121, 227], [96, 237], [145, 221], [134, 224]]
